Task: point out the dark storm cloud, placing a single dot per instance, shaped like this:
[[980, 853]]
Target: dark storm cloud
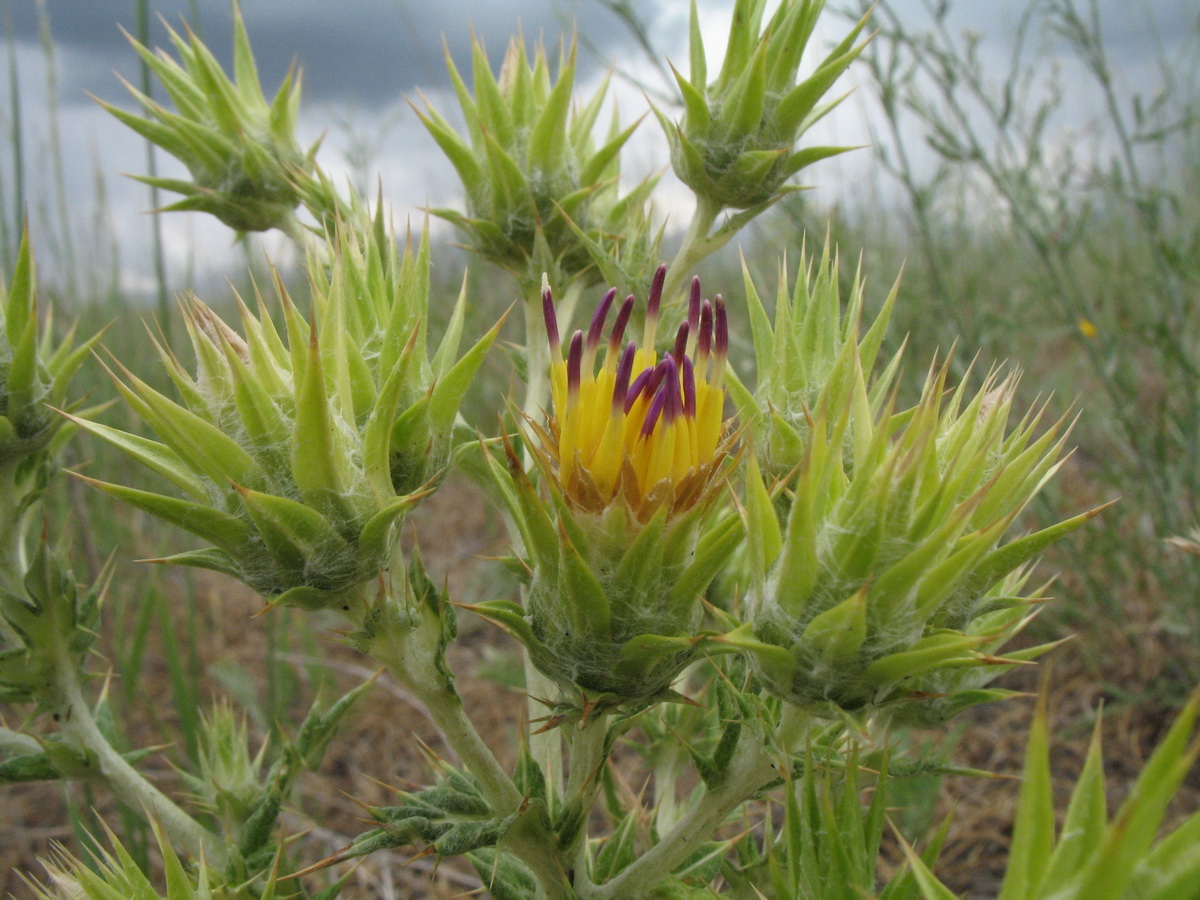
[[367, 52]]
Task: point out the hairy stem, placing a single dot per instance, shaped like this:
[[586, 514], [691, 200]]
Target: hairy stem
[[130, 786], [12, 544], [589, 751], [695, 247]]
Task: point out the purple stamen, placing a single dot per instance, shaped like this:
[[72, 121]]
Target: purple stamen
[[689, 389], [694, 304], [597, 327], [551, 319], [618, 332], [722, 329], [656, 289], [666, 400], [681, 339], [575, 362], [624, 371], [646, 383], [635, 389], [652, 414], [704, 346]]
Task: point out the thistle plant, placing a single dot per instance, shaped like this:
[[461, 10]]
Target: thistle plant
[[540, 195], [866, 574], [241, 150]]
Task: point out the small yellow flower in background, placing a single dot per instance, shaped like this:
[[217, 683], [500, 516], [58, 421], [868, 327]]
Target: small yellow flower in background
[[1087, 328], [636, 428]]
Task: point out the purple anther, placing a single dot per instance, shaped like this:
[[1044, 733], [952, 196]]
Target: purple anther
[[656, 289], [704, 341], [575, 362], [689, 389], [624, 371], [618, 332], [656, 407], [635, 389], [597, 327], [656, 377], [681, 339], [722, 328], [666, 401], [551, 319], [694, 304]]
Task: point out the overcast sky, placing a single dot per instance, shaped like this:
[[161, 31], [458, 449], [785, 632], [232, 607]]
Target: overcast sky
[[360, 59]]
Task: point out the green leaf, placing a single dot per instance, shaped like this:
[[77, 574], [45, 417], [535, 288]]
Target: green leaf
[[1033, 830]]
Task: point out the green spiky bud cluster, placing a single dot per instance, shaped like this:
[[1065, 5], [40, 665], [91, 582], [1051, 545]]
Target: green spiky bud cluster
[[811, 350], [736, 144], [540, 196], [867, 577], [241, 150], [35, 371], [297, 454]]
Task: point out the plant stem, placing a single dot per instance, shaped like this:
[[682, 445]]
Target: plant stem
[[753, 766], [130, 787], [694, 248], [589, 751], [12, 544]]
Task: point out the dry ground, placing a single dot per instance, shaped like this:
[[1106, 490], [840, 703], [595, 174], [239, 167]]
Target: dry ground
[[380, 747]]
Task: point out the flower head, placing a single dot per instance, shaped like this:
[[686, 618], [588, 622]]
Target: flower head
[[632, 461], [638, 429]]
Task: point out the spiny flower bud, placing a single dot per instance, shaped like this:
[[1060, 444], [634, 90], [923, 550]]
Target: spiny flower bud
[[735, 146], [814, 349], [241, 151], [297, 457], [539, 195], [34, 372], [632, 461], [867, 581]]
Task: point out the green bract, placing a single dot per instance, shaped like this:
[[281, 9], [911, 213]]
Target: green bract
[[875, 570], [813, 350], [35, 371], [295, 457], [735, 146], [240, 150], [540, 196]]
